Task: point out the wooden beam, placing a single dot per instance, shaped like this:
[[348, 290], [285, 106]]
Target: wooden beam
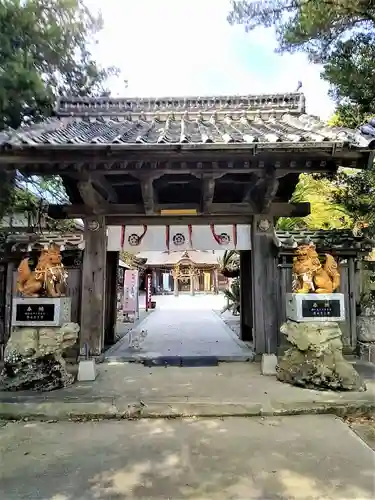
[[97, 180], [100, 181], [264, 190], [93, 286], [177, 220], [271, 182], [54, 158], [231, 209], [251, 187], [91, 197], [208, 190], [148, 190], [147, 187]]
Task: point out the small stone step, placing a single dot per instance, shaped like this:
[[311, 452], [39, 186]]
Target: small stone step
[[183, 361]]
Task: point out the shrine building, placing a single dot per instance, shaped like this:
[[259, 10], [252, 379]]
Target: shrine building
[[189, 271], [180, 174]]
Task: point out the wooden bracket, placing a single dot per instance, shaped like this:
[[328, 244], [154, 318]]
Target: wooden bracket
[[264, 190], [148, 190], [91, 197]]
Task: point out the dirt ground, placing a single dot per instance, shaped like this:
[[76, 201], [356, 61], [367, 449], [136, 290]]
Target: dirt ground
[[364, 427]]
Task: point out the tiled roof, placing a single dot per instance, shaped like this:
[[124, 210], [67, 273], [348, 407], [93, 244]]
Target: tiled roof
[[24, 242], [172, 258], [335, 239], [278, 118]]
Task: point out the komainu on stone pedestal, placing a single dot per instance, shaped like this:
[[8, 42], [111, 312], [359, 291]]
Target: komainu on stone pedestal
[[33, 358], [47, 280], [310, 275], [315, 360]]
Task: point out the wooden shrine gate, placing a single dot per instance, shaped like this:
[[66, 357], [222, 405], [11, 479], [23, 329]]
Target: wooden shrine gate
[[182, 161]]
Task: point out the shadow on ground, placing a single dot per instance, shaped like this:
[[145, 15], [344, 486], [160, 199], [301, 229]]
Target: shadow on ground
[[306, 457]]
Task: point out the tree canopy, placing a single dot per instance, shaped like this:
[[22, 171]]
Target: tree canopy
[[355, 191], [44, 53], [340, 34], [326, 211]]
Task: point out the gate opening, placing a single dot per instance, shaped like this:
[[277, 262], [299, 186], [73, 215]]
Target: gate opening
[[178, 296]]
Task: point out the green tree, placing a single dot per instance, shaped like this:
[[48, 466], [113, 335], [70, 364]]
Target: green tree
[[339, 34], [355, 191], [326, 211], [44, 53]]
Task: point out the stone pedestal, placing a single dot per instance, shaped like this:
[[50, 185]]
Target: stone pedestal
[[33, 355], [41, 311], [33, 358], [366, 333], [315, 359], [86, 371], [268, 364], [314, 307]]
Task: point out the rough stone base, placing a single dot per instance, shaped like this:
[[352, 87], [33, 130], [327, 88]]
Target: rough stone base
[[45, 373], [33, 358], [315, 360]]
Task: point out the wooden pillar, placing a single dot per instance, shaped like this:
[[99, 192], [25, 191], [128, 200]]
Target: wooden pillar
[[264, 285], [111, 292], [93, 286], [10, 290], [192, 290], [216, 281], [175, 286], [246, 309]]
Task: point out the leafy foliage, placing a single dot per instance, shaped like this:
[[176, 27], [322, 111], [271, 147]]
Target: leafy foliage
[[229, 264], [29, 197], [326, 212], [356, 192], [313, 26], [355, 189], [44, 53], [339, 34], [350, 69], [233, 296], [350, 116]]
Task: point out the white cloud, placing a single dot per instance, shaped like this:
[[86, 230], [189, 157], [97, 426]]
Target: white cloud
[[186, 47]]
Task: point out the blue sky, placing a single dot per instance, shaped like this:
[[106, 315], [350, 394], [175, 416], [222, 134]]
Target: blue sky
[[186, 47]]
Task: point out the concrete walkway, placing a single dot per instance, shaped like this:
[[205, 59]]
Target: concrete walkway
[[184, 327], [300, 458], [131, 390]]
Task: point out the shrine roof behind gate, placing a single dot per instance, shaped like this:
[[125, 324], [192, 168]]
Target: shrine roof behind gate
[[270, 119], [172, 258]]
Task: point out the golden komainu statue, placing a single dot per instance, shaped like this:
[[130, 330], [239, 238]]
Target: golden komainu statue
[[310, 275], [48, 279]]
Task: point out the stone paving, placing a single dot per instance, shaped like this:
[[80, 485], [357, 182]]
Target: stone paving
[[184, 326]]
